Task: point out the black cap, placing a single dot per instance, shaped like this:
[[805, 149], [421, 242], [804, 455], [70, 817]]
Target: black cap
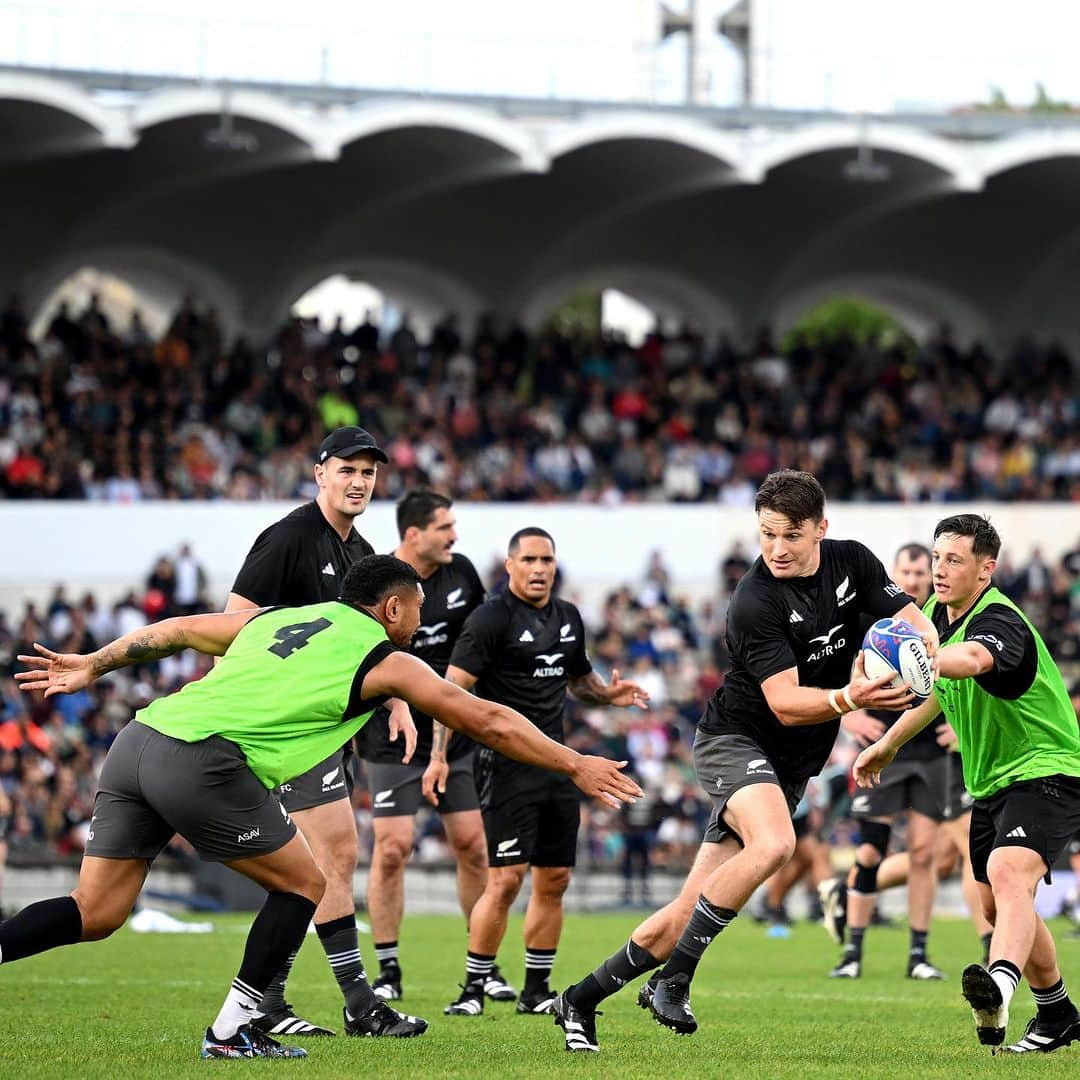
[[346, 442]]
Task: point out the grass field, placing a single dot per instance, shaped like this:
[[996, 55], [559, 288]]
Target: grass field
[[136, 1005]]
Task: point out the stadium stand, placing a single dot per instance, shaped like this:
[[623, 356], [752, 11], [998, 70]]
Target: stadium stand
[[97, 412]]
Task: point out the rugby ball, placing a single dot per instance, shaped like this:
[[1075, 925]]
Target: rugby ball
[[893, 646]]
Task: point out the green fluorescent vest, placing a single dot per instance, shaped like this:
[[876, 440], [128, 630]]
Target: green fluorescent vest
[[281, 691], [1001, 741]]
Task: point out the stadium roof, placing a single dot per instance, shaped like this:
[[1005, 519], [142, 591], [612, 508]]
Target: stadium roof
[[252, 194]]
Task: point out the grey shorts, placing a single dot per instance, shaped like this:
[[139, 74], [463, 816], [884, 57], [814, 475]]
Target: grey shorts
[[727, 763], [934, 788], [153, 786], [322, 784], [395, 789]]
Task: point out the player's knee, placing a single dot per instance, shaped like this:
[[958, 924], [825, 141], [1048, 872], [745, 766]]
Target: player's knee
[[473, 853], [99, 920], [1006, 877], [391, 854], [873, 842], [774, 851], [865, 878], [553, 883], [921, 855], [338, 858], [504, 886]]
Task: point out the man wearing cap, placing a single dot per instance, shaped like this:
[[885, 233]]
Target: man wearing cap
[[302, 559]]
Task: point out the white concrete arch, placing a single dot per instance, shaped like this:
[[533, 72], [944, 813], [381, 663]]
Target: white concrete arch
[[156, 272], [365, 121], [917, 303], [68, 98], [954, 160], [168, 105], [665, 291], [1027, 149], [648, 127], [411, 285]]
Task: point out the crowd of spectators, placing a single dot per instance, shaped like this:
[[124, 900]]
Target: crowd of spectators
[[102, 412], [51, 752]]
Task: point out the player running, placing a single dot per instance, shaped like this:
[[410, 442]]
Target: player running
[[795, 624], [928, 783], [1004, 696]]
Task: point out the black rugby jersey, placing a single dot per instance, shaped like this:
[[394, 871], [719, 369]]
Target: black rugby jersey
[[299, 560], [815, 624], [524, 657], [451, 594]]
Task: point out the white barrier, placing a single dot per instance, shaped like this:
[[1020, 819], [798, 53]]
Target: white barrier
[[108, 547]]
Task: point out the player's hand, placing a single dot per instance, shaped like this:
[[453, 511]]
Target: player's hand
[[55, 673], [877, 693], [868, 765], [600, 778], [401, 723], [946, 737], [433, 782], [624, 693], [933, 644], [862, 727]]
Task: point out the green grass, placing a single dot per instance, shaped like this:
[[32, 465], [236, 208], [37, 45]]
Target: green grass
[[136, 1005]]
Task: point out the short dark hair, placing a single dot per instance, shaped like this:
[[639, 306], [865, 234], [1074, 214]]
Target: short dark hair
[[796, 495], [914, 551], [374, 576], [985, 542], [521, 534], [418, 508]]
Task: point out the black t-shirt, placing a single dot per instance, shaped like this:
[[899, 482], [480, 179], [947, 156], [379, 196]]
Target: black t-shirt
[[815, 624], [298, 560], [451, 594], [524, 657], [1009, 641]]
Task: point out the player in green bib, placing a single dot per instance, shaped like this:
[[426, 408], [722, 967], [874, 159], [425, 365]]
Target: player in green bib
[[292, 686], [1005, 698]]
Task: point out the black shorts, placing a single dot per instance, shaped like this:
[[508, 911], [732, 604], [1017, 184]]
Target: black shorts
[[1042, 814], [395, 789], [153, 786], [934, 788], [532, 822], [726, 764], [324, 783]]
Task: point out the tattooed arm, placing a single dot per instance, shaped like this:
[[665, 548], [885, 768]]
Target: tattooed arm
[[592, 690], [433, 782], [64, 673]]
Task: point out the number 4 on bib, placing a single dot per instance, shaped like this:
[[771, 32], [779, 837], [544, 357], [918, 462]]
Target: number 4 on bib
[[296, 636]]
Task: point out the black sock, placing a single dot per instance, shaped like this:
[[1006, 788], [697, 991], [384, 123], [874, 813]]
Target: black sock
[[477, 968], [538, 965], [705, 923], [1053, 1002], [986, 939], [612, 975], [918, 944], [386, 952], [342, 948], [44, 925], [274, 998], [855, 940], [276, 932]]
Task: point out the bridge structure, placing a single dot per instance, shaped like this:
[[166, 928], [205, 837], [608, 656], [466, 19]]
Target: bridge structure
[[249, 194]]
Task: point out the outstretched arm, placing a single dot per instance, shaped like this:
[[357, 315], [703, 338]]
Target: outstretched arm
[[495, 725], [64, 673], [592, 690]]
